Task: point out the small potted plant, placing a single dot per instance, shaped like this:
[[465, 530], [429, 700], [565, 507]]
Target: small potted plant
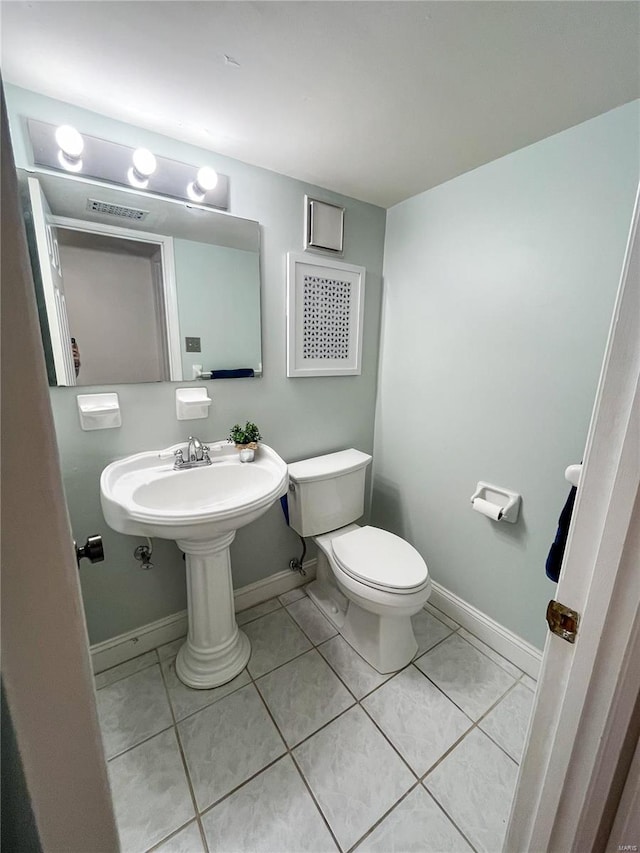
[[246, 440]]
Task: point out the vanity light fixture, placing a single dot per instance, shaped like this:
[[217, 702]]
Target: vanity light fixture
[[206, 180], [71, 145], [64, 148], [144, 165]]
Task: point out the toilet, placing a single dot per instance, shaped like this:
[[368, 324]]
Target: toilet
[[369, 582]]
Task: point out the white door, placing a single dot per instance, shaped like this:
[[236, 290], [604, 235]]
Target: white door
[[581, 732], [52, 285]]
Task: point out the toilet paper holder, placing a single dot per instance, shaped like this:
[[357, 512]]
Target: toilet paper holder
[[504, 503]]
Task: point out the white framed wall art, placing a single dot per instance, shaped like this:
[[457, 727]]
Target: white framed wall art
[[325, 310]]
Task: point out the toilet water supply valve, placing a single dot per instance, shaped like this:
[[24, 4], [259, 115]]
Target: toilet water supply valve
[[296, 564], [143, 554]]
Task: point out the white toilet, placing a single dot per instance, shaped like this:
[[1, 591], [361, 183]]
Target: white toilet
[[369, 582]]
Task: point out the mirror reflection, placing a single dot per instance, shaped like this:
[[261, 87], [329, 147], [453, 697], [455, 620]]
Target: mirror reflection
[[134, 288]]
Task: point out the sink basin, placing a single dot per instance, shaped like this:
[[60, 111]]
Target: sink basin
[[201, 508], [142, 494]]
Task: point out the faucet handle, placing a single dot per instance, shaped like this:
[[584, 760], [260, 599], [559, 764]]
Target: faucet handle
[[179, 459]]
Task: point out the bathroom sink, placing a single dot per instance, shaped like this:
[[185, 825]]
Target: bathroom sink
[[201, 508], [143, 494]]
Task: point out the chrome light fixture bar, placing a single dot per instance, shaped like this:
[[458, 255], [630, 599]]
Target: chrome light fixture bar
[[64, 148]]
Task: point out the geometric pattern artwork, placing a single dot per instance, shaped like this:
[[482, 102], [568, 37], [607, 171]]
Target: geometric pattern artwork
[[326, 313]]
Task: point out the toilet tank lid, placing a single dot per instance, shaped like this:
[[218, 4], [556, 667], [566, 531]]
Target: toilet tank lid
[[329, 465]]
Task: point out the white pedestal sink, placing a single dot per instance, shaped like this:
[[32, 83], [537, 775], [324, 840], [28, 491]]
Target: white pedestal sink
[[201, 509]]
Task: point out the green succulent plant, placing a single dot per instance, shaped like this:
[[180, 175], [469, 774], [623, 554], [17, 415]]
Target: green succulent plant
[[244, 435]]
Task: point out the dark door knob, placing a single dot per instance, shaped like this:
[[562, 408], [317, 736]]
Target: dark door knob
[[92, 550]]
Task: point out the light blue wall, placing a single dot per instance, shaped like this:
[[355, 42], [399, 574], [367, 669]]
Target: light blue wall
[[298, 417], [218, 302], [499, 288]]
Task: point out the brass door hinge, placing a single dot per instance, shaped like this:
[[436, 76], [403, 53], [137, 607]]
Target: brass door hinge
[[562, 621]]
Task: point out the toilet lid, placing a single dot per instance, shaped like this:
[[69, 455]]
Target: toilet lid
[[380, 559]]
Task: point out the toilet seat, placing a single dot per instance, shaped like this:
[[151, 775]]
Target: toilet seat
[[380, 560]]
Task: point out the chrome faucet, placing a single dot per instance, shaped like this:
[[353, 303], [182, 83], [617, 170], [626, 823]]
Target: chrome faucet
[[197, 455], [196, 450]]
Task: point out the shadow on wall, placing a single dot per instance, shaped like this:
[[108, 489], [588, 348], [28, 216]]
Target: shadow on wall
[[387, 509]]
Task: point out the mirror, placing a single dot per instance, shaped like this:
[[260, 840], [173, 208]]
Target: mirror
[[136, 288]]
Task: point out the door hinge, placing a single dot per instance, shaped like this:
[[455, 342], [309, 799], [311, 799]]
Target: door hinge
[[562, 621]]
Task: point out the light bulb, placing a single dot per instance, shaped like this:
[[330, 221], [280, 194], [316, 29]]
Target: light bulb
[[207, 178], [144, 162], [144, 165], [135, 180], [70, 141]]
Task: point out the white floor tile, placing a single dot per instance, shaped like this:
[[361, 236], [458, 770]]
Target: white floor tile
[[275, 639], [185, 700], [188, 840], [129, 667], [529, 682], [428, 630], [509, 667], [354, 773], [170, 650], [466, 675], [303, 695], [292, 595], [261, 609], [311, 620], [151, 798], [417, 718], [272, 813], [416, 825], [475, 784], [441, 616], [226, 743], [508, 722], [359, 676], [133, 709]]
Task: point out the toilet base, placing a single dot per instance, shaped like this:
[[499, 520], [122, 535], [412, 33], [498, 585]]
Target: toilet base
[[386, 642]]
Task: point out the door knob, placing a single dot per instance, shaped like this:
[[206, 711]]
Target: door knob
[[92, 550]]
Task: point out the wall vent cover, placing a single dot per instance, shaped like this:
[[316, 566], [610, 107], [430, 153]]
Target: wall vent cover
[[130, 213]]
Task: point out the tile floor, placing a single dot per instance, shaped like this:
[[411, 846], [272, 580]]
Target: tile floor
[[310, 749]]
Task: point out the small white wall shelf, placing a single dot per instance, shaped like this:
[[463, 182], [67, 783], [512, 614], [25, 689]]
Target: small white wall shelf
[[99, 411], [192, 403]]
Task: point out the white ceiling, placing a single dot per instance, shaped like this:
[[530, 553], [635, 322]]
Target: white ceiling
[[376, 100]]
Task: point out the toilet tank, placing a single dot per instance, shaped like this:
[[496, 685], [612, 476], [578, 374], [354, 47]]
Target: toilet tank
[[327, 492]]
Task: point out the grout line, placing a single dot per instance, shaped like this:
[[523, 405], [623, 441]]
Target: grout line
[[290, 750], [384, 816], [168, 662], [486, 645], [138, 743], [246, 781], [260, 615], [185, 766], [315, 802], [128, 675], [449, 817], [173, 834]]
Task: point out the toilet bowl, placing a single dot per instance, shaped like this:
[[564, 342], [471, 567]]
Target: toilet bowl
[[369, 582]]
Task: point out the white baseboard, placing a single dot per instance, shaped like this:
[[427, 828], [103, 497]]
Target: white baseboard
[[126, 646], [500, 639], [281, 582]]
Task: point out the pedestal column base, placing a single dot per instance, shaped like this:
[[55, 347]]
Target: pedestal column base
[[215, 650]]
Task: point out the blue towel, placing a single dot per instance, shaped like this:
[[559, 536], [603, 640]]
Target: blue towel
[[556, 552], [284, 503], [239, 373]]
